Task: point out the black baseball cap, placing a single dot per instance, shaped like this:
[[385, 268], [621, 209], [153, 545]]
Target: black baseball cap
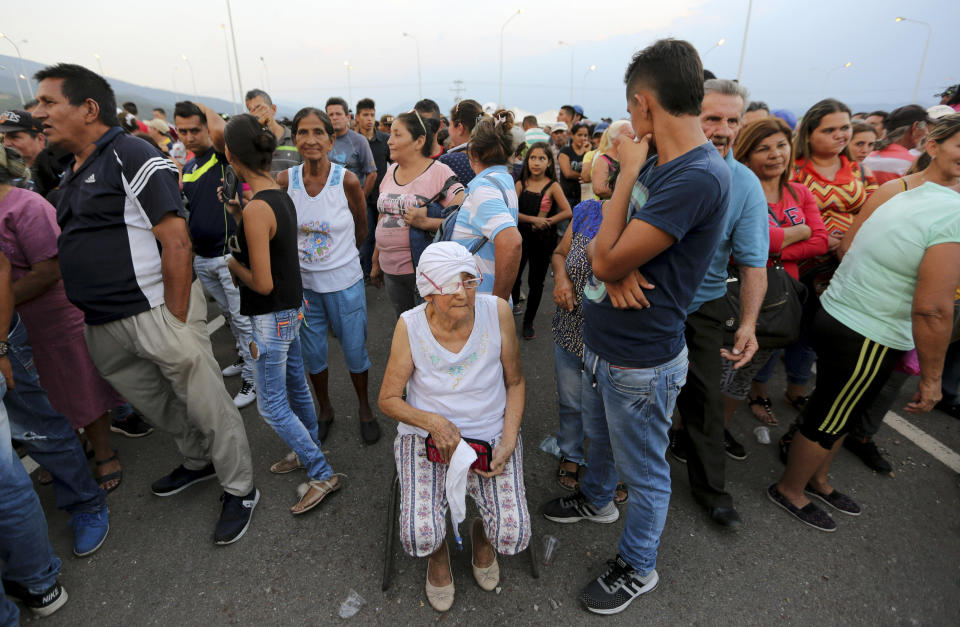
[[16, 120], [906, 116]]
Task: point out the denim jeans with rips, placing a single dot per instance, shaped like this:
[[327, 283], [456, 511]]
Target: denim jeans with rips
[[216, 280], [627, 416], [283, 397]]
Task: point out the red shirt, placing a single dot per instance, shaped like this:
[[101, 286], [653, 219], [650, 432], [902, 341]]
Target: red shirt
[[790, 211]]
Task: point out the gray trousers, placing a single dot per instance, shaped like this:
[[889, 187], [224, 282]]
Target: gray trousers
[[166, 369]]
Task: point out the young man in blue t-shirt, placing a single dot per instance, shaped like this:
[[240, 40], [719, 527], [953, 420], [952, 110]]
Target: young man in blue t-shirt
[[650, 254]]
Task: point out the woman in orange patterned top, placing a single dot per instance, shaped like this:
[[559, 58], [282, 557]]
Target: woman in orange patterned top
[[824, 165]]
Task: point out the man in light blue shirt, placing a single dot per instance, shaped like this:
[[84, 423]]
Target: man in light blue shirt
[[703, 439]]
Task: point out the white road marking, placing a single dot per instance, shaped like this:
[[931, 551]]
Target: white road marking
[[925, 441], [31, 465]]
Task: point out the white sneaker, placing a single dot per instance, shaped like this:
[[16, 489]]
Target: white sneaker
[[234, 369], [245, 396]]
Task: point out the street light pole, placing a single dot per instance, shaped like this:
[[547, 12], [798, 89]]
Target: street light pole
[[266, 74], [500, 91], [583, 85], [743, 48], [226, 45], [826, 79], [349, 85], [16, 81], [193, 79], [419, 76], [236, 59], [564, 43], [923, 59], [99, 63], [20, 56]]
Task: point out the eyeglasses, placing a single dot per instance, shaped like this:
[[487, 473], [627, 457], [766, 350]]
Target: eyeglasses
[[454, 286]]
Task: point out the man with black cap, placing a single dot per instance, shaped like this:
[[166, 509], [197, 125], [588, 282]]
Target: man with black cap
[[906, 129], [22, 133]]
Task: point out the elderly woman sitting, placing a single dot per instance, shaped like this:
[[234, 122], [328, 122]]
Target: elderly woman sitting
[[458, 358]]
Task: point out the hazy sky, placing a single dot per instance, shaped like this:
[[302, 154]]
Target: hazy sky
[[790, 48]]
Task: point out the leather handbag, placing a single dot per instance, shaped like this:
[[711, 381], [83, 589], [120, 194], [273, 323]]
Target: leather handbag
[[781, 313]]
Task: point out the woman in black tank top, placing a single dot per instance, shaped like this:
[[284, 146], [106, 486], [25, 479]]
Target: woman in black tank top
[[538, 213], [266, 267]]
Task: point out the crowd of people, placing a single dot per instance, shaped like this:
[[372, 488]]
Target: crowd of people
[[692, 247]]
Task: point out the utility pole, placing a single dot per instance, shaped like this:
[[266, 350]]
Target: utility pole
[[457, 89]]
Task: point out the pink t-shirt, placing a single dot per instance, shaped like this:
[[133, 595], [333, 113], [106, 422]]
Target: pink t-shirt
[[28, 234], [393, 234]]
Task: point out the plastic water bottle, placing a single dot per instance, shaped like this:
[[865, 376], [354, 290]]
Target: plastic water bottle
[[763, 434]]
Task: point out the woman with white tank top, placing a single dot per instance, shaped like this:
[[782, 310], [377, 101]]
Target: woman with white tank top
[[331, 224], [458, 359]]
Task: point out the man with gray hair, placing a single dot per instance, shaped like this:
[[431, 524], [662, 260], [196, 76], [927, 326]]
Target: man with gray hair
[[702, 439], [261, 106]]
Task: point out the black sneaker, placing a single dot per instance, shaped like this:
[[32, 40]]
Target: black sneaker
[[614, 590], [180, 479], [133, 426], [678, 445], [734, 449], [529, 332], [574, 508], [235, 515], [868, 453], [43, 604]]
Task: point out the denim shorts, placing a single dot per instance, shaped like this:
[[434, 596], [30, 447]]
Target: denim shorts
[[345, 314]]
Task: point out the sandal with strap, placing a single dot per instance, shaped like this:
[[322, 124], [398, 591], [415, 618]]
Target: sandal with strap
[[118, 475], [768, 418], [563, 473], [620, 495], [797, 402], [313, 492]]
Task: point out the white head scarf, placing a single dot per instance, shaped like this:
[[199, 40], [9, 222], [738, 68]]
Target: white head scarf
[[443, 262]]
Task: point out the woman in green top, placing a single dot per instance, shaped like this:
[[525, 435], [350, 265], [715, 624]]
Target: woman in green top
[[909, 246]]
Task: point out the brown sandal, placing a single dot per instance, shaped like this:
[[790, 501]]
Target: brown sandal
[[289, 463], [313, 492], [768, 418]]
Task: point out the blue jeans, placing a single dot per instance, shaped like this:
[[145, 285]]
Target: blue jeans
[[627, 418], [216, 280], [797, 359], [47, 435], [570, 430], [26, 556], [344, 313], [283, 397]]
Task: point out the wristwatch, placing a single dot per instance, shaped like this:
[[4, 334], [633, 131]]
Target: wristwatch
[[4, 348]]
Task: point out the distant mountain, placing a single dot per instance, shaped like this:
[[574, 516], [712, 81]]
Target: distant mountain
[[146, 98]]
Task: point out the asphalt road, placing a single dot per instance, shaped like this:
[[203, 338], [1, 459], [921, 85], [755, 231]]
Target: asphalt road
[[898, 563]]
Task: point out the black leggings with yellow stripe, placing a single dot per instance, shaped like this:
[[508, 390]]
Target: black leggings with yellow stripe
[[851, 371]]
